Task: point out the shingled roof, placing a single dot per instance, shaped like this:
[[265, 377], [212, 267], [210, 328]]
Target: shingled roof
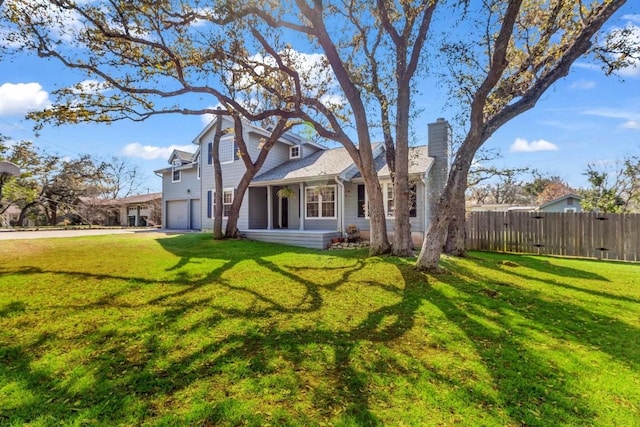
[[324, 163]]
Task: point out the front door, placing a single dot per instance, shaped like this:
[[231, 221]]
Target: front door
[[284, 212]]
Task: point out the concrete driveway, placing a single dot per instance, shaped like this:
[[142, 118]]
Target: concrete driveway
[[45, 234]]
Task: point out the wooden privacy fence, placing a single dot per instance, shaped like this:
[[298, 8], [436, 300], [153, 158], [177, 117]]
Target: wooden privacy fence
[[589, 235]]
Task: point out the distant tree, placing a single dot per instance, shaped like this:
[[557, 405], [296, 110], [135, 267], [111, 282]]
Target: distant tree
[[613, 189], [24, 191], [540, 181], [554, 190], [65, 184], [119, 178], [487, 183], [48, 183]]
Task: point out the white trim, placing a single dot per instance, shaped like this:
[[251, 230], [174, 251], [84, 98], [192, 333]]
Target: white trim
[[293, 148], [320, 202], [173, 172], [385, 186], [213, 201]]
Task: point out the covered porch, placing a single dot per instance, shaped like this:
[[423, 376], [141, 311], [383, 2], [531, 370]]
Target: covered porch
[[314, 239]]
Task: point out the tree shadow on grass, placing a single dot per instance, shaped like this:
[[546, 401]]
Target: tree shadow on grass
[[502, 323], [128, 369], [197, 358]]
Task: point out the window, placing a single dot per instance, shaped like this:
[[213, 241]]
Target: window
[[413, 201], [569, 201], [362, 202], [320, 202], [570, 210], [389, 200], [294, 152], [228, 149], [210, 153], [389, 203], [227, 200], [175, 173]]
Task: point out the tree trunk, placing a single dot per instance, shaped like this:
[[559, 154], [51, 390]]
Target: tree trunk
[[23, 213], [217, 179], [456, 234], [234, 211], [449, 208], [378, 240], [402, 242]]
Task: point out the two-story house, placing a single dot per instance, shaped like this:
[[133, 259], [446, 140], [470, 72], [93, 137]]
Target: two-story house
[[305, 194]]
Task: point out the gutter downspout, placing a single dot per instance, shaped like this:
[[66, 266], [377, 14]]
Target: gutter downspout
[[425, 204], [340, 183]]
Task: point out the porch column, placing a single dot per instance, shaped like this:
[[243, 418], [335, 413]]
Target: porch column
[[269, 209], [302, 206]]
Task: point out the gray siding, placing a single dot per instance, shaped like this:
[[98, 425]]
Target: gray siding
[[257, 208], [305, 239], [351, 209], [561, 205], [232, 174], [188, 187]]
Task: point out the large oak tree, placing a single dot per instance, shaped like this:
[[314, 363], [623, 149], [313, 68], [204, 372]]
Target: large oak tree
[[511, 53]]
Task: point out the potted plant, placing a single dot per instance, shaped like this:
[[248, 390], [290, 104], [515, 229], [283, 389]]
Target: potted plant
[[286, 193], [353, 233]]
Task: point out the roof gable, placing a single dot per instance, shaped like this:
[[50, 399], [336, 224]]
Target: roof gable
[[560, 199]]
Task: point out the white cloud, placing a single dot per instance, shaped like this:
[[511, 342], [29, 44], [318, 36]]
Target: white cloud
[[18, 99], [208, 118], [151, 152], [63, 24], [631, 117], [583, 84], [631, 34], [90, 87], [521, 145], [632, 18]]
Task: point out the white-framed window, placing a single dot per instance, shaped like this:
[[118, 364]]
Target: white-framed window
[[199, 167], [388, 197], [176, 176], [570, 210], [227, 200], [389, 201], [294, 152], [320, 202]]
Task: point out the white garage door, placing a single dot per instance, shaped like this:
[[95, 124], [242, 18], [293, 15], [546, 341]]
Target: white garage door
[[195, 214], [177, 215]]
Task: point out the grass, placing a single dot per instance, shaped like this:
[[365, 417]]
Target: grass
[[183, 330]]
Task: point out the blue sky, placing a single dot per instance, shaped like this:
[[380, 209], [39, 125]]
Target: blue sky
[[585, 118]]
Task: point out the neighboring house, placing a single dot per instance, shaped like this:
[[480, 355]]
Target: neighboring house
[[568, 203], [498, 207], [143, 210], [324, 190], [10, 216], [134, 211]]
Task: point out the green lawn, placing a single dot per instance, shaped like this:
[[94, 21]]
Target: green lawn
[[183, 330]]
